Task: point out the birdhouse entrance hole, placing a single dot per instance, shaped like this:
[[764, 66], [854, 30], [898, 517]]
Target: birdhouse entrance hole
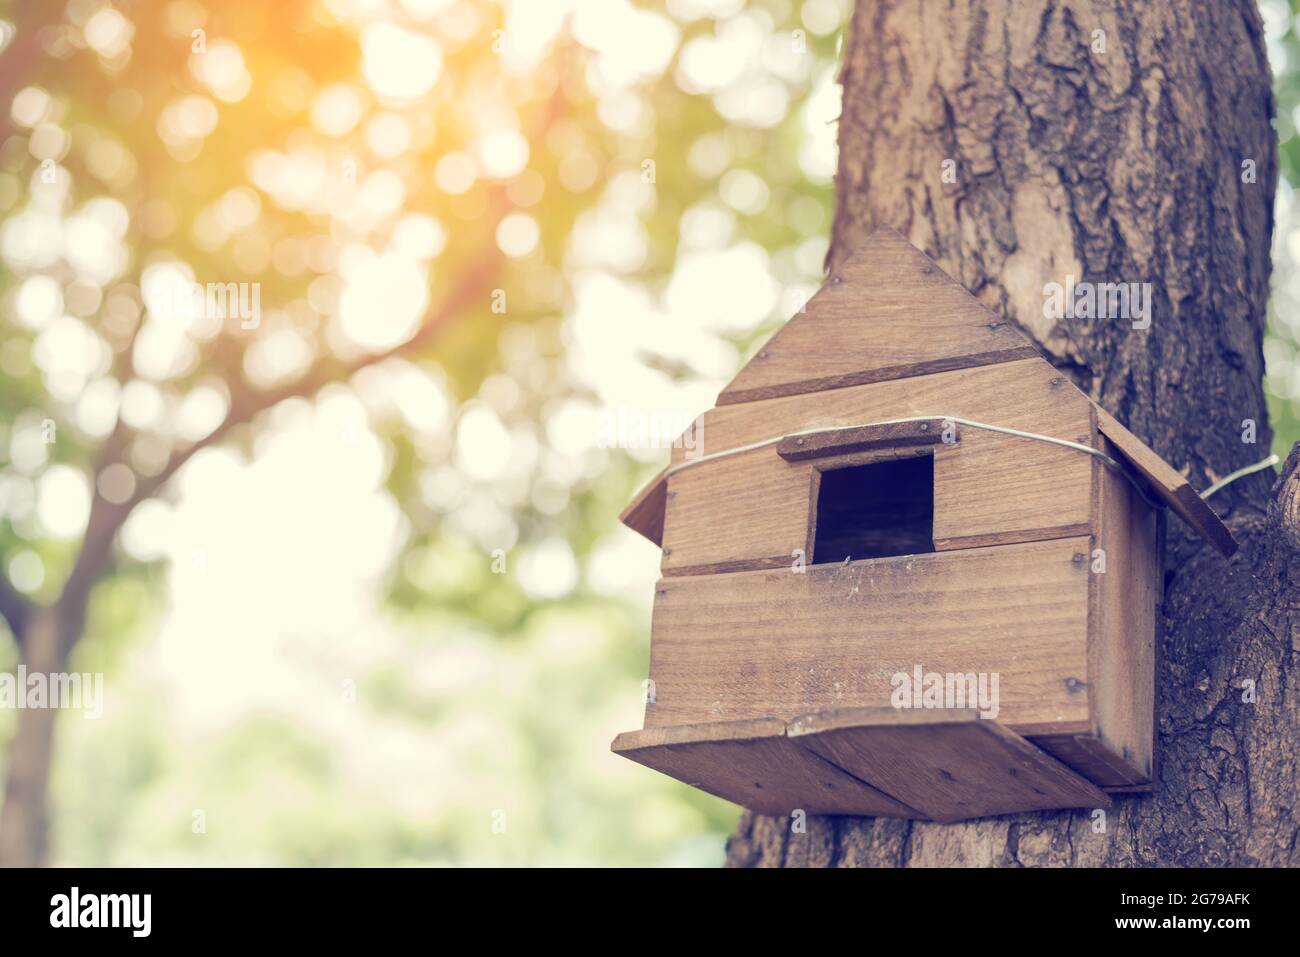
[[875, 510]]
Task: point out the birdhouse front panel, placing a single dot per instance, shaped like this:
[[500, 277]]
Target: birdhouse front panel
[[912, 556], [781, 644], [755, 509]]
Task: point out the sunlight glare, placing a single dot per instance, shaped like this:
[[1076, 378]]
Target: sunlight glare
[[383, 299], [399, 63], [63, 502], [502, 153], [483, 446]]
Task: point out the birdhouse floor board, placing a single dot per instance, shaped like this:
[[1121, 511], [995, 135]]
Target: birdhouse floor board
[[1094, 760], [951, 765], [753, 764]]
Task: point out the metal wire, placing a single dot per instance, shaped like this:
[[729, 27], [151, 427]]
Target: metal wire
[[1138, 485], [1240, 473], [972, 423]]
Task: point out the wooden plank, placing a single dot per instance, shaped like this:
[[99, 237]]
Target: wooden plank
[[889, 313], [894, 435], [1087, 756], [755, 507], [746, 511], [1122, 627], [645, 513], [1023, 391], [753, 764], [780, 643], [1169, 485], [949, 765]]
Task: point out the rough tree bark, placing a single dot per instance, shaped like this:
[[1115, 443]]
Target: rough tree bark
[[1120, 155]]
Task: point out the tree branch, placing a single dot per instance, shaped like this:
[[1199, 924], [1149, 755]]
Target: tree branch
[[473, 282], [107, 518], [21, 56], [14, 608]]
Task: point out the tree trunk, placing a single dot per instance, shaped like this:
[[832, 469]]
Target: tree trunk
[[1119, 142], [23, 825], [47, 639]]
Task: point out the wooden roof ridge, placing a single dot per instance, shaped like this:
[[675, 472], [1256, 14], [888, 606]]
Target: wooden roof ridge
[[927, 323], [888, 312]]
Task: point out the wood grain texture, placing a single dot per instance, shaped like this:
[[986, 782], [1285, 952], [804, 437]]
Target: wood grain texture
[[1090, 758], [797, 448], [645, 513], [989, 488], [949, 765], [952, 765], [780, 643], [753, 764], [750, 510], [1122, 628], [887, 312], [1123, 166], [1169, 485]]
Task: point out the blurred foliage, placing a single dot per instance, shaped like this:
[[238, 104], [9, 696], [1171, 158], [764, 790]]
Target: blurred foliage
[[1282, 346], [666, 144]]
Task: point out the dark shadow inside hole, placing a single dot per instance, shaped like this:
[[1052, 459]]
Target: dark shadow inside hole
[[875, 510]]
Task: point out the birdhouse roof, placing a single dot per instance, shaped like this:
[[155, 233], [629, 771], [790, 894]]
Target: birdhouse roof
[[889, 312]]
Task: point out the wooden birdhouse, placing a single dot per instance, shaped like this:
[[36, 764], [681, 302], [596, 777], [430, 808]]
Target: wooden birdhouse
[[909, 570]]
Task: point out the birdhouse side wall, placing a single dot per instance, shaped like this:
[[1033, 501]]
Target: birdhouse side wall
[[1125, 586], [1125, 621]]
